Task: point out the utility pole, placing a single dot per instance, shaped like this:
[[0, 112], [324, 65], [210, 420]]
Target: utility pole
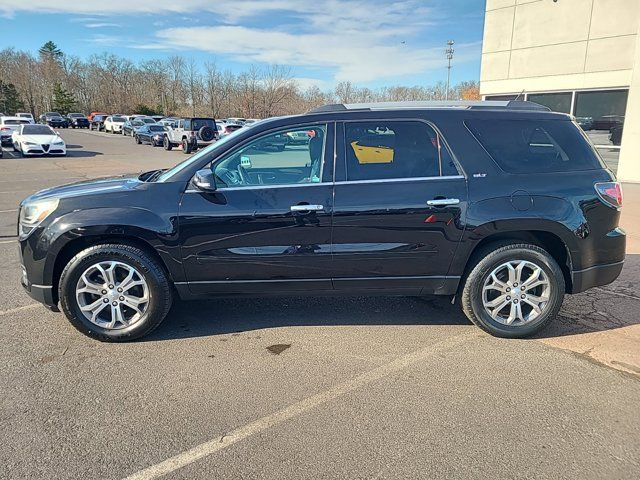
[[449, 53]]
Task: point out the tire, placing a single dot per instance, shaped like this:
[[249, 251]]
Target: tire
[[138, 141], [186, 147], [491, 260], [166, 143], [159, 291]]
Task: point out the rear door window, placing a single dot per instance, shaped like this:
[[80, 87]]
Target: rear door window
[[381, 150], [535, 146]]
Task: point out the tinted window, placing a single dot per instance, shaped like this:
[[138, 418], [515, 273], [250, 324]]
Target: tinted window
[[382, 150], [118, 119], [16, 122], [535, 146], [273, 159], [156, 128]]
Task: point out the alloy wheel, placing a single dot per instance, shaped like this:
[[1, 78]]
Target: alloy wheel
[[112, 295], [516, 292]]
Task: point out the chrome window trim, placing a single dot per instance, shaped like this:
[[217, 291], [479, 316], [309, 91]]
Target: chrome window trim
[[344, 182], [404, 180]]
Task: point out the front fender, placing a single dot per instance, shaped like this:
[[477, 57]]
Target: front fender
[[132, 222]]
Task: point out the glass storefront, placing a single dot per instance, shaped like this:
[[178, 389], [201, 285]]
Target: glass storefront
[[600, 113], [558, 102]]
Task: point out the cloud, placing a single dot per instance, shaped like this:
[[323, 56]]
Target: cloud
[[361, 56], [102, 25], [306, 82]]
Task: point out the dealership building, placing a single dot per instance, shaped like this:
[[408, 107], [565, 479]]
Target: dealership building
[[575, 56]]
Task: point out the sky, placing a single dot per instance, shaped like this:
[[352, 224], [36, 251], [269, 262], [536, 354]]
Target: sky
[[371, 43]]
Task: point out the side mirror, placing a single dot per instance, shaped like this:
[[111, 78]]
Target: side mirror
[[204, 180]]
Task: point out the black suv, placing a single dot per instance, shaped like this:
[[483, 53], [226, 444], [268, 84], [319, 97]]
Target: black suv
[[504, 205], [54, 119], [78, 120]]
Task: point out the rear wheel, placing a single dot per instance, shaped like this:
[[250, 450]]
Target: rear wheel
[[186, 146], [166, 143], [114, 292], [513, 291]]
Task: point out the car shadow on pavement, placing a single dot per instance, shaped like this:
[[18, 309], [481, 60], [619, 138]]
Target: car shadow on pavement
[[83, 153], [234, 315]]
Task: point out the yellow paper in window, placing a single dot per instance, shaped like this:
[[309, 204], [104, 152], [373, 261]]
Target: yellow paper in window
[[366, 154]]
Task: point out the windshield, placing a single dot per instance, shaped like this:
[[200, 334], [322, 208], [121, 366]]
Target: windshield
[[137, 123], [211, 149], [156, 128], [16, 122], [52, 114], [37, 130], [76, 115], [147, 120], [118, 119]]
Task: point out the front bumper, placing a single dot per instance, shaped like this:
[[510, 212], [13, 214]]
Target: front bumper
[[595, 276], [44, 150], [40, 293]]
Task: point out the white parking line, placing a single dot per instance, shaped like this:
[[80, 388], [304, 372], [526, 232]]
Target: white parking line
[[219, 443], [7, 211], [19, 309], [7, 241]]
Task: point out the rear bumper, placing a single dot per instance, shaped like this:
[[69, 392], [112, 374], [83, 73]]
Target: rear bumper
[[595, 276]]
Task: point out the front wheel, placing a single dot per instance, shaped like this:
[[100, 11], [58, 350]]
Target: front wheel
[[186, 146], [114, 292], [166, 143], [513, 291]]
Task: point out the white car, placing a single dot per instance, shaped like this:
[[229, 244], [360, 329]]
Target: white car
[[26, 115], [38, 139], [114, 123], [8, 125]]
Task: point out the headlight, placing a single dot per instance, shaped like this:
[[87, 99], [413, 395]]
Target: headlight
[[59, 142], [31, 144], [32, 215], [157, 136]]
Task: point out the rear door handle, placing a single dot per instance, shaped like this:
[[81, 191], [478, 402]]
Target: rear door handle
[[307, 208], [440, 202]]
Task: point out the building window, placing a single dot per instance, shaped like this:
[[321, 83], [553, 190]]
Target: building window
[[502, 98], [558, 102], [601, 116]]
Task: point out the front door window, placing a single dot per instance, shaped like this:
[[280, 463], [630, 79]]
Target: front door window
[[285, 157]]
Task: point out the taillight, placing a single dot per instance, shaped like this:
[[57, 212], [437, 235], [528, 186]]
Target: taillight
[[5, 128], [610, 193]]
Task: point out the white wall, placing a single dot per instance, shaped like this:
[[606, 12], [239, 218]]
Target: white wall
[[538, 45]]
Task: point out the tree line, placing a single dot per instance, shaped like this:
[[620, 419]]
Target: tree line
[[55, 81]]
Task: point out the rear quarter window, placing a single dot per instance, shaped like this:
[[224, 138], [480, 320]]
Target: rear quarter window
[[535, 146]]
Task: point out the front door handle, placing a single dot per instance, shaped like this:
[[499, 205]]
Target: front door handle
[[440, 202], [307, 208]]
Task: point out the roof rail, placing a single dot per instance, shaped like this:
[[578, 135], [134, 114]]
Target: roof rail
[[436, 104]]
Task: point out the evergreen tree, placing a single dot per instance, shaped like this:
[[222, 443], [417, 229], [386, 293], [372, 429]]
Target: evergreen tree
[[10, 101], [63, 100], [50, 50]]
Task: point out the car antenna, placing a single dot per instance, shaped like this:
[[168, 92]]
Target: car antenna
[[521, 93]]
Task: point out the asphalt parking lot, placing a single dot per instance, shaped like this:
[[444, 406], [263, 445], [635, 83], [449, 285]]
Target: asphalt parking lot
[[309, 387]]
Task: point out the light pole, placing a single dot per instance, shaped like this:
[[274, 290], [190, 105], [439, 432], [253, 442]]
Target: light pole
[[449, 53]]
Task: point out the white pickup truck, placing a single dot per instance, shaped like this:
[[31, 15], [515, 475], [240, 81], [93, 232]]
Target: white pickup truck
[[190, 133]]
